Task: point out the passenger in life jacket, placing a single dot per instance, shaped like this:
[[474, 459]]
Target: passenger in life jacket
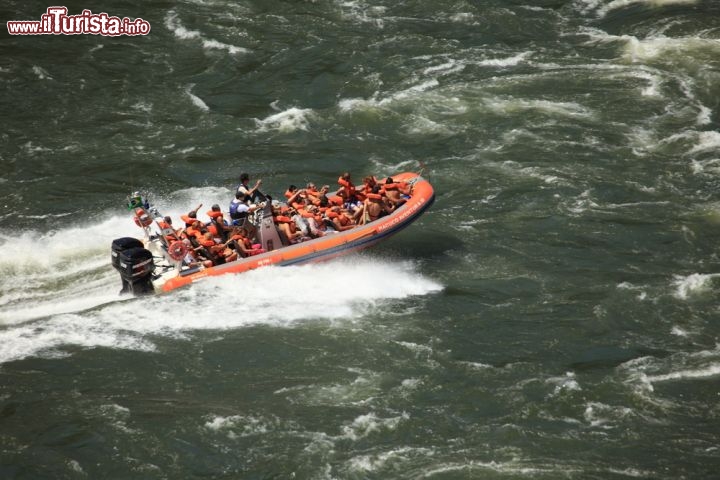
[[312, 194], [368, 183], [348, 192], [290, 192], [297, 198], [193, 258], [217, 226], [313, 218], [333, 200], [394, 192], [169, 234], [324, 200], [191, 216], [301, 222], [347, 188], [340, 219], [375, 205], [195, 232], [241, 243], [285, 225], [358, 210], [211, 250]]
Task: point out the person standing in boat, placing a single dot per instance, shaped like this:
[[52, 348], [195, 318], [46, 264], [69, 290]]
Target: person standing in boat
[[239, 213], [252, 194]]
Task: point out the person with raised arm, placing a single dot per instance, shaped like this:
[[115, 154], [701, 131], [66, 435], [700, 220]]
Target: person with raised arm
[[252, 194]]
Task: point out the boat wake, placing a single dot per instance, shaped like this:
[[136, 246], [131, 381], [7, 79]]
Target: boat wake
[[59, 290]]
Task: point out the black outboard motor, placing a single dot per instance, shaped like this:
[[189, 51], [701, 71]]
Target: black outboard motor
[[135, 265]]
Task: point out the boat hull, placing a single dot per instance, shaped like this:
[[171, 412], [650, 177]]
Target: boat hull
[[328, 246]]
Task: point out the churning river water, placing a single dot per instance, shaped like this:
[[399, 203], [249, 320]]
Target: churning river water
[[553, 315]]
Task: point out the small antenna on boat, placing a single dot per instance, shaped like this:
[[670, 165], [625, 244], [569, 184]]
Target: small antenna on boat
[[422, 167]]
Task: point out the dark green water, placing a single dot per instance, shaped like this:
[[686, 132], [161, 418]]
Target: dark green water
[[554, 314]]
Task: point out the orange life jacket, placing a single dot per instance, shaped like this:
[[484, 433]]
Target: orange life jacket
[[348, 188], [167, 231], [194, 232]]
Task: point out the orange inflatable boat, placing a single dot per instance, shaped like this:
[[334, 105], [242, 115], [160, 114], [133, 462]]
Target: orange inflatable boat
[[156, 264]]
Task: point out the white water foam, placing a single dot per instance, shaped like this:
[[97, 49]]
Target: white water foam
[[598, 414], [55, 272], [707, 141], [414, 92], [693, 284], [365, 425], [653, 80], [563, 384], [176, 27], [422, 127], [704, 372], [618, 4], [359, 11], [41, 73], [375, 462], [358, 391], [287, 121], [704, 116], [124, 324], [243, 425], [708, 167], [384, 169], [447, 68], [506, 62], [197, 101], [513, 468], [505, 105], [642, 294], [678, 331], [644, 372], [476, 365], [432, 107], [657, 46], [637, 50]]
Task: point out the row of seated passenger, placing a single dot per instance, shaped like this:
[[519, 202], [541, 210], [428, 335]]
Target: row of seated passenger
[[349, 207], [212, 243], [309, 213]]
